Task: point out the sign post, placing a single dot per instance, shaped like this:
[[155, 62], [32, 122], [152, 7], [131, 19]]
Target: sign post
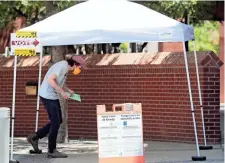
[[23, 44], [120, 134]]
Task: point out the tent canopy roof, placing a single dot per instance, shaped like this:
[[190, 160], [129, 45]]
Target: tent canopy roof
[[109, 21]]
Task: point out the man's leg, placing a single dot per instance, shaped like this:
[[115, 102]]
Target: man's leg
[[60, 122], [33, 138], [41, 133], [55, 124], [45, 130], [56, 120]]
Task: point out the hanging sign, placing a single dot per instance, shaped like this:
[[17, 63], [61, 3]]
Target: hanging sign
[[120, 134]]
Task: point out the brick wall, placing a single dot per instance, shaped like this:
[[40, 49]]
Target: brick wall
[[170, 46], [162, 90]]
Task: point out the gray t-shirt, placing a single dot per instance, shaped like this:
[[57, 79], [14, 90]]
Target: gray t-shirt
[[60, 69]]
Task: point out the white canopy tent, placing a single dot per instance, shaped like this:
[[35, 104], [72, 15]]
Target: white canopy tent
[[109, 21], [112, 21]]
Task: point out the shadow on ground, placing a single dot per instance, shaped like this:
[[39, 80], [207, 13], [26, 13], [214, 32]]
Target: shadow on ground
[[87, 152]]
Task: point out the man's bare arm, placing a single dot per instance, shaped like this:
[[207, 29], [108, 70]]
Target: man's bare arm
[[53, 84], [65, 88]]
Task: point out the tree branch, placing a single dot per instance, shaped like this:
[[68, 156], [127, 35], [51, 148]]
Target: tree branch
[[50, 8]]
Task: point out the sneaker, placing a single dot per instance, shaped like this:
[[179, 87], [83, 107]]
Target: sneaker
[[33, 140], [57, 154]]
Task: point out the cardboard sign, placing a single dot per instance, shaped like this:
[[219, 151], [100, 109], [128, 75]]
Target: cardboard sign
[[24, 52], [120, 134], [26, 34], [20, 41]]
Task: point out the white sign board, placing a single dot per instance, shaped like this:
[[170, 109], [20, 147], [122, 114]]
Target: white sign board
[[24, 41], [120, 135]]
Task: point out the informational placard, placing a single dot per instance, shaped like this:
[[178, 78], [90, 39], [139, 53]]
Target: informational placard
[[25, 52], [22, 41], [120, 135], [26, 34]]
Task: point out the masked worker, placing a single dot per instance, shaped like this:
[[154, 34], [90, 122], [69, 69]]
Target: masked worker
[[53, 85]]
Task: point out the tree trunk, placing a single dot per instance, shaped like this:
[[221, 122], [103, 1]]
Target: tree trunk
[[63, 130], [57, 54]]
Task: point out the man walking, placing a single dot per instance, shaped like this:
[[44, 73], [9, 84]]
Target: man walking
[[52, 85]]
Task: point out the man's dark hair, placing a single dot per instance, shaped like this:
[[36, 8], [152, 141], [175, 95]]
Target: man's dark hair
[[71, 62]]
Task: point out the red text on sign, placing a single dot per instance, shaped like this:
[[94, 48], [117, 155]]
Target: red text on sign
[[22, 43]]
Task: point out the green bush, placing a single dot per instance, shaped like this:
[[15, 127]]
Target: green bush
[[123, 47], [206, 37]]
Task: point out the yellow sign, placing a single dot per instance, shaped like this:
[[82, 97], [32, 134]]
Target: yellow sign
[[25, 52], [26, 34]]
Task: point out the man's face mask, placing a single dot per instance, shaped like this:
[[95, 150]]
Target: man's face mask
[[77, 70]]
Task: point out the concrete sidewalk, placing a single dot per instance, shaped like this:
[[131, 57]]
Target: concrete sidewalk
[[86, 152]]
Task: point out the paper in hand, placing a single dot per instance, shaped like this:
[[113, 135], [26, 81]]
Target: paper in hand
[[74, 96]]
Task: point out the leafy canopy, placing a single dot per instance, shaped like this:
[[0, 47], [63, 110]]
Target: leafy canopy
[[36, 11]]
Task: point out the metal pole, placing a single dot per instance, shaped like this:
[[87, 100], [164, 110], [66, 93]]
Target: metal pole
[[39, 83], [13, 106], [198, 157], [200, 99]]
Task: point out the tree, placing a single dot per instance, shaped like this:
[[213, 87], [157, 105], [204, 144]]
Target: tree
[[57, 54], [197, 11], [207, 37], [36, 10]]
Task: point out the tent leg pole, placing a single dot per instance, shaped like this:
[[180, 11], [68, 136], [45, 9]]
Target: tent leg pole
[[205, 147], [13, 111], [198, 157], [39, 83]]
